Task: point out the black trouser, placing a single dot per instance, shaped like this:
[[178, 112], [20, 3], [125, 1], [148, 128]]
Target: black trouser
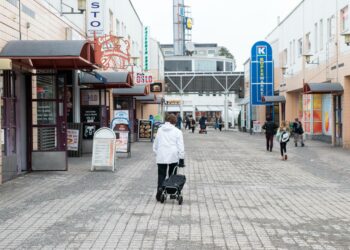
[[220, 127], [162, 172], [283, 146], [269, 141], [187, 125], [193, 129]]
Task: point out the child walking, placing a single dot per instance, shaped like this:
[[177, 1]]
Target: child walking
[[283, 138]]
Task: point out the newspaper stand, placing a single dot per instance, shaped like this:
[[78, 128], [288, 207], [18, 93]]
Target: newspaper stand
[[103, 152]]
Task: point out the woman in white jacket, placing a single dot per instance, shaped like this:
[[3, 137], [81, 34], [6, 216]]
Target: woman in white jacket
[[170, 151]]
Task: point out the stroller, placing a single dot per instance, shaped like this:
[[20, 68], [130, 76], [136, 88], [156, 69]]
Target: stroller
[[173, 186]]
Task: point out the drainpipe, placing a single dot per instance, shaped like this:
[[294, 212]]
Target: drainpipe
[[20, 21]]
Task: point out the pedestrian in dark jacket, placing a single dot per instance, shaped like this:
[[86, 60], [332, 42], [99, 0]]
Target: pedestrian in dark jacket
[[298, 132], [270, 128], [192, 123]]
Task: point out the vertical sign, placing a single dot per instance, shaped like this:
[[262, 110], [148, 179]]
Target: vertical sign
[[261, 73], [95, 17], [146, 49]]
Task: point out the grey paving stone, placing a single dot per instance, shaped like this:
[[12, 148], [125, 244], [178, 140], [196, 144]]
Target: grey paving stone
[[237, 196]]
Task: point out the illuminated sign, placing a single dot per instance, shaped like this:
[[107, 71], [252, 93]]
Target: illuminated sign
[[146, 49], [261, 75], [189, 23], [156, 87]]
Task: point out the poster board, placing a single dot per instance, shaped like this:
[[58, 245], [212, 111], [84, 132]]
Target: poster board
[[72, 139], [145, 130], [122, 142], [256, 127], [103, 150]]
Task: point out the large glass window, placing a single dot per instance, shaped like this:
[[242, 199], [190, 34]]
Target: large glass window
[[228, 66], [219, 66], [205, 65], [182, 65]]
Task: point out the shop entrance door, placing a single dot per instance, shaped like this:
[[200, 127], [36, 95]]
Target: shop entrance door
[[48, 121]]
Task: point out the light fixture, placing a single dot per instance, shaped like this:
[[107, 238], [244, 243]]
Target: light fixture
[[346, 35], [284, 69], [308, 59], [81, 7]]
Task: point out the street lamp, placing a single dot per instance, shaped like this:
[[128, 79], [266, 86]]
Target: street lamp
[[81, 7], [308, 59]]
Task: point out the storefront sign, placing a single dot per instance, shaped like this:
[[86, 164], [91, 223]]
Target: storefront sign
[[95, 17], [103, 151], [122, 142], [146, 49], [173, 102], [90, 114], [89, 131], [145, 130], [112, 52], [73, 139], [189, 23], [261, 76], [156, 87], [143, 78]]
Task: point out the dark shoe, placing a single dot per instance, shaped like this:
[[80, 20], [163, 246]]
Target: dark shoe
[[296, 144], [270, 149], [159, 194], [303, 145], [285, 157]]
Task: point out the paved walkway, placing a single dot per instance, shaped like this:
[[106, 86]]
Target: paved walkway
[[238, 196]]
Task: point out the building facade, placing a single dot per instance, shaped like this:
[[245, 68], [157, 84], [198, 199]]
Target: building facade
[[312, 70]]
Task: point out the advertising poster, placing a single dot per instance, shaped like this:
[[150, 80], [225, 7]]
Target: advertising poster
[[73, 139], [89, 131], [256, 127], [122, 142], [145, 130], [326, 114], [90, 114], [317, 114]]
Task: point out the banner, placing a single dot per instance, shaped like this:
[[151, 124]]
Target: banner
[[146, 49], [145, 130], [261, 73], [95, 17]]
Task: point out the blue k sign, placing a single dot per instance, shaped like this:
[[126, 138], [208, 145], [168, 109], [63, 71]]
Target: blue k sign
[[261, 72]]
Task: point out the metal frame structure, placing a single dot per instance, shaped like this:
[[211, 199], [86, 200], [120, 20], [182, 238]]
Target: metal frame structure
[[226, 86]]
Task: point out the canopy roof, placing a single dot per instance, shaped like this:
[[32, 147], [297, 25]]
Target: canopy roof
[[107, 79], [51, 54], [136, 90], [323, 88], [274, 98]]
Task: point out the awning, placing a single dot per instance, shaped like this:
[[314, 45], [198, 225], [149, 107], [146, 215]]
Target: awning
[[323, 88], [136, 90], [147, 98], [243, 101], [157, 100], [274, 98], [202, 108], [113, 79], [53, 54], [215, 108]]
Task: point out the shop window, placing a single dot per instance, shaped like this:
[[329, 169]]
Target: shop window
[[307, 42], [93, 111], [300, 47], [219, 66], [344, 19], [321, 34]]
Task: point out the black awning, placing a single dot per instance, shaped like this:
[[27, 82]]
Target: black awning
[[52, 54], [274, 98], [323, 88], [147, 98], [136, 90], [107, 79]]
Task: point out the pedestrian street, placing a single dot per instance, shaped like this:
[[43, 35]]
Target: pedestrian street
[[237, 196]]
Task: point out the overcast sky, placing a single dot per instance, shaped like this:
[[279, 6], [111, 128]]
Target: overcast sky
[[235, 24]]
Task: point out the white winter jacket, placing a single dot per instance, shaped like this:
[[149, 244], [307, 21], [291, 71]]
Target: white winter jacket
[[169, 144]]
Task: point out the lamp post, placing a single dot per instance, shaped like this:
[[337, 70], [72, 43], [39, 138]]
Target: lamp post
[[81, 8]]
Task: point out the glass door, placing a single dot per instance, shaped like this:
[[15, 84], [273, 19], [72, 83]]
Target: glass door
[[49, 122]]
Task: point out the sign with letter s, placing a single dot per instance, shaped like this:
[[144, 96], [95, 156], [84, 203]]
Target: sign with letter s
[[95, 17]]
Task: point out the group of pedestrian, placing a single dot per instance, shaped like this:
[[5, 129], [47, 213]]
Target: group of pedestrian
[[190, 123], [283, 134]]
